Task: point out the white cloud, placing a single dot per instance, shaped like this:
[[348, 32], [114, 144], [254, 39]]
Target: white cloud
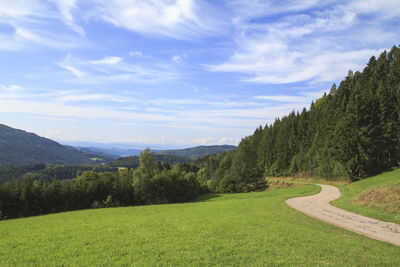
[[11, 88], [65, 7], [22, 37], [203, 140], [78, 73], [70, 111], [28, 22], [107, 61], [20, 9], [136, 53], [176, 58], [203, 115], [177, 19], [208, 119], [304, 44], [114, 69], [382, 9], [249, 9], [284, 98], [75, 97]]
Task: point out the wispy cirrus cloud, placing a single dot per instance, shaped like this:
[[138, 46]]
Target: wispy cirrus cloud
[[180, 19], [73, 96], [302, 44], [20, 9], [66, 8], [114, 69], [284, 98], [107, 61], [78, 73], [31, 21], [381, 10], [21, 37], [201, 114]]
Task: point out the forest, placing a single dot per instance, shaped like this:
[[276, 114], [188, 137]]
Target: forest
[[351, 132], [150, 183]]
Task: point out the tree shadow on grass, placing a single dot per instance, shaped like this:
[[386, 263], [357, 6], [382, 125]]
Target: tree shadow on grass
[[206, 197]]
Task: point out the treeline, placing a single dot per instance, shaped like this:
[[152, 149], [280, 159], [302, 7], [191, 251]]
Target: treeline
[[134, 162], [352, 131], [48, 172], [197, 152], [150, 183], [61, 172]]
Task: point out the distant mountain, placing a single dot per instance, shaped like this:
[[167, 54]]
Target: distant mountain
[[192, 153], [18, 147], [114, 152], [196, 152]]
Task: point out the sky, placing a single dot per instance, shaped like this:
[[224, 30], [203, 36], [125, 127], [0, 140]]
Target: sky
[[177, 73]]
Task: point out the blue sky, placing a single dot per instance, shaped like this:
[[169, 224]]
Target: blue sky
[[177, 73]]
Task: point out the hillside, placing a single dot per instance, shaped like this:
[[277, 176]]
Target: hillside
[[192, 153], [134, 162], [254, 229], [114, 152], [18, 147], [196, 152], [351, 132], [377, 197], [48, 172]]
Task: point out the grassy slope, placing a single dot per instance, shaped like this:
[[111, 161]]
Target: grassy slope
[[351, 191], [253, 229]]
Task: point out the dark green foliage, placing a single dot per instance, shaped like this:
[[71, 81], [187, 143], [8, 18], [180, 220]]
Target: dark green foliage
[[127, 162], [352, 131], [148, 184], [195, 153], [18, 147], [48, 172], [134, 162]]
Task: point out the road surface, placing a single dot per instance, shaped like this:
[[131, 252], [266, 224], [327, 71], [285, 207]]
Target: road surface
[[318, 206]]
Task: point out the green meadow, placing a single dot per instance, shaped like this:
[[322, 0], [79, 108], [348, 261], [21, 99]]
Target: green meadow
[[381, 196], [248, 229]]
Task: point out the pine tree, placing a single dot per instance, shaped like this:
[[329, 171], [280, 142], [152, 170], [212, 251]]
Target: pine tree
[[388, 124]]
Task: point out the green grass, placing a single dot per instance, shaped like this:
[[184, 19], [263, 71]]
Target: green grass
[[352, 191], [250, 229], [385, 198]]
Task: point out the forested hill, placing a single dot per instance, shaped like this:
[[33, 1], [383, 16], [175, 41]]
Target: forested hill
[[18, 147], [196, 152], [134, 161], [352, 131]]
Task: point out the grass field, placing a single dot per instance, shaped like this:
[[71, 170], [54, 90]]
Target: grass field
[[386, 183], [250, 229]]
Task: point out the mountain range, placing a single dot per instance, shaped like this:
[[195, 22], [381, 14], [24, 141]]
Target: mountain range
[[191, 153], [18, 147]]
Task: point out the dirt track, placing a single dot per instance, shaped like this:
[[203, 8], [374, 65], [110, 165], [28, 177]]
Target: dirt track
[[318, 206]]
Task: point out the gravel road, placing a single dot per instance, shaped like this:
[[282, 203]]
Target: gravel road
[[318, 206]]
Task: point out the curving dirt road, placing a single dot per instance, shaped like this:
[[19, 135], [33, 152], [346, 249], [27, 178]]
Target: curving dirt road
[[318, 206]]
